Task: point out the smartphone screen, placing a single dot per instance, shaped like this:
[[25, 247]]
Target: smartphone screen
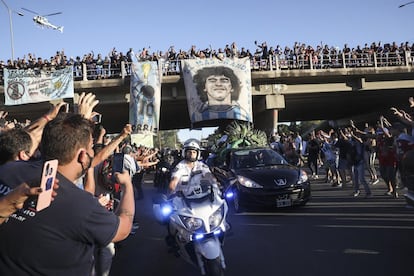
[[46, 183], [97, 118], [117, 164]]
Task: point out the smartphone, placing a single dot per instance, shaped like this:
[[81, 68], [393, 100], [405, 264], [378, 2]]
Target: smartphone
[[97, 118], [46, 183], [117, 165], [64, 108]]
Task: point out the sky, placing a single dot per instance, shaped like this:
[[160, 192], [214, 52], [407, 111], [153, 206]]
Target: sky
[[99, 26]]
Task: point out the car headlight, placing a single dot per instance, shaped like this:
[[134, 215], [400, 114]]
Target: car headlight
[[191, 223], [215, 219], [246, 182], [303, 177]]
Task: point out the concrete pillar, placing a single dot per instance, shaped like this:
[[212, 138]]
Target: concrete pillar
[[277, 63], [123, 70], [343, 60], [84, 72], [275, 119]]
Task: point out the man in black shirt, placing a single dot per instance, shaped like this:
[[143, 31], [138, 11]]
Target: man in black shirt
[[60, 239]]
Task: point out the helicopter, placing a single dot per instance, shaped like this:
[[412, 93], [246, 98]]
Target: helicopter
[[42, 21]]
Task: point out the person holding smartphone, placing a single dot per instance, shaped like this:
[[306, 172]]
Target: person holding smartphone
[[14, 200], [60, 239]]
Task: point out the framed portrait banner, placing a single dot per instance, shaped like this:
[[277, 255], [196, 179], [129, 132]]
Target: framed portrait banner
[[218, 89]]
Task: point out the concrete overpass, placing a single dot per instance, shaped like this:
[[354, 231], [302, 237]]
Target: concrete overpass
[[278, 96]]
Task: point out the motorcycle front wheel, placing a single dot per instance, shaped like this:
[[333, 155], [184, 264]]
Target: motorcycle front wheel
[[213, 267]]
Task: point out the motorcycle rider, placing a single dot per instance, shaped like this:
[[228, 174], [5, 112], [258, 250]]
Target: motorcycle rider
[[181, 175], [191, 163]]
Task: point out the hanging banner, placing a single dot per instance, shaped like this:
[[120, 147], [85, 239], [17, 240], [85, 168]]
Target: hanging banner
[[218, 89], [30, 86], [144, 105], [143, 139]]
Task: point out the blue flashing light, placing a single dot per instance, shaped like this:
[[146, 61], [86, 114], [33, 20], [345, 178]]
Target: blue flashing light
[[166, 210], [217, 232], [198, 236], [229, 194]]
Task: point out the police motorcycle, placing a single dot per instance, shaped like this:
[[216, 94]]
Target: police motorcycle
[[196, 221], [163, 172]]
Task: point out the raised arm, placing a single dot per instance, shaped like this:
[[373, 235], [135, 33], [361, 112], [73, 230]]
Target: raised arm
[[126, 207], [35, 129], [110, 148]]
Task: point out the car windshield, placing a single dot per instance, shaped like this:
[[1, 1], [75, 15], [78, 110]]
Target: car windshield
[[256, 158]]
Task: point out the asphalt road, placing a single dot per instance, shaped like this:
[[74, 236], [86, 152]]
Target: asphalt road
[[334, 234]]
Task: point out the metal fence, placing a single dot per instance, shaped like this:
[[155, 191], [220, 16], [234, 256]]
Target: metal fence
[[275, 62]]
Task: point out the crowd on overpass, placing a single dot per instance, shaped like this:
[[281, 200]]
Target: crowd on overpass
[[264, 57]]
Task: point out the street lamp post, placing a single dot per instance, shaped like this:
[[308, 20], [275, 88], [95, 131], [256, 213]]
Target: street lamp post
[[11, 28]]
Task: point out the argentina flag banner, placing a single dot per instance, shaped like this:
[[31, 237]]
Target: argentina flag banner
[[145, 101], [30, 86], [218, 89]]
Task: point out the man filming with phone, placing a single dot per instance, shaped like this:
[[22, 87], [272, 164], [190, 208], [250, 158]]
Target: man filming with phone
[[60, 239]]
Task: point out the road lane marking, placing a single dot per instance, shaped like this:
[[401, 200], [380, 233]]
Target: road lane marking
[[367, 226]]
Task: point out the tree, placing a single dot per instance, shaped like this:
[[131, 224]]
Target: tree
[[166, 139]]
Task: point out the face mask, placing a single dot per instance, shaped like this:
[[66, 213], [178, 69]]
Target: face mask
[[84, 170]]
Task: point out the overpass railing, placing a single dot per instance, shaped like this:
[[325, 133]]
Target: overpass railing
[[275, 62]]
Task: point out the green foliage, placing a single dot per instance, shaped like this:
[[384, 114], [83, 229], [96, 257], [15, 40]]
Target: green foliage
[[166, 139], [239, 134]]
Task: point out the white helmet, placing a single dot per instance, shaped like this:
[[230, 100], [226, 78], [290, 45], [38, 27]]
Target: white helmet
[[191, 144]]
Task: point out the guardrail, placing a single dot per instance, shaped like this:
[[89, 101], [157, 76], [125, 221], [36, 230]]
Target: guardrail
[[276, 62]]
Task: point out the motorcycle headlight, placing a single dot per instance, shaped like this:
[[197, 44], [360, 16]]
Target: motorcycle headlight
[[191, 223], [303, 177], [246, 182], [216, 218], [166, 210]]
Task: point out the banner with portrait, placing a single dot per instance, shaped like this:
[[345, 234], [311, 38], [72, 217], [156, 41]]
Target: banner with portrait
[[145, 101], [33, 86], [218, 89]]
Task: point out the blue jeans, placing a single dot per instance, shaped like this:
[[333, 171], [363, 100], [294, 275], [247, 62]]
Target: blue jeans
[[359, 177]]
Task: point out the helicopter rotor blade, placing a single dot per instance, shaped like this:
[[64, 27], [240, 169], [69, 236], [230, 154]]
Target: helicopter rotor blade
[[30, 11], [50, 14]]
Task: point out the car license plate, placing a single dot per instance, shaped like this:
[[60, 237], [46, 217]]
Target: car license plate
[[285, 202]]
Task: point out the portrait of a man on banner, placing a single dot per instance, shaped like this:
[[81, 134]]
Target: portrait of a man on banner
[[218, 89], [144, 106]]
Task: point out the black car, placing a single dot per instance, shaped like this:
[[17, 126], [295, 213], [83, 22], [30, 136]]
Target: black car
[[260, 177]]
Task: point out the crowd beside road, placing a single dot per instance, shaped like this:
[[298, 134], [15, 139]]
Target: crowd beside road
[[346, 154], [299, 56], [82, 218], [84, 221]]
